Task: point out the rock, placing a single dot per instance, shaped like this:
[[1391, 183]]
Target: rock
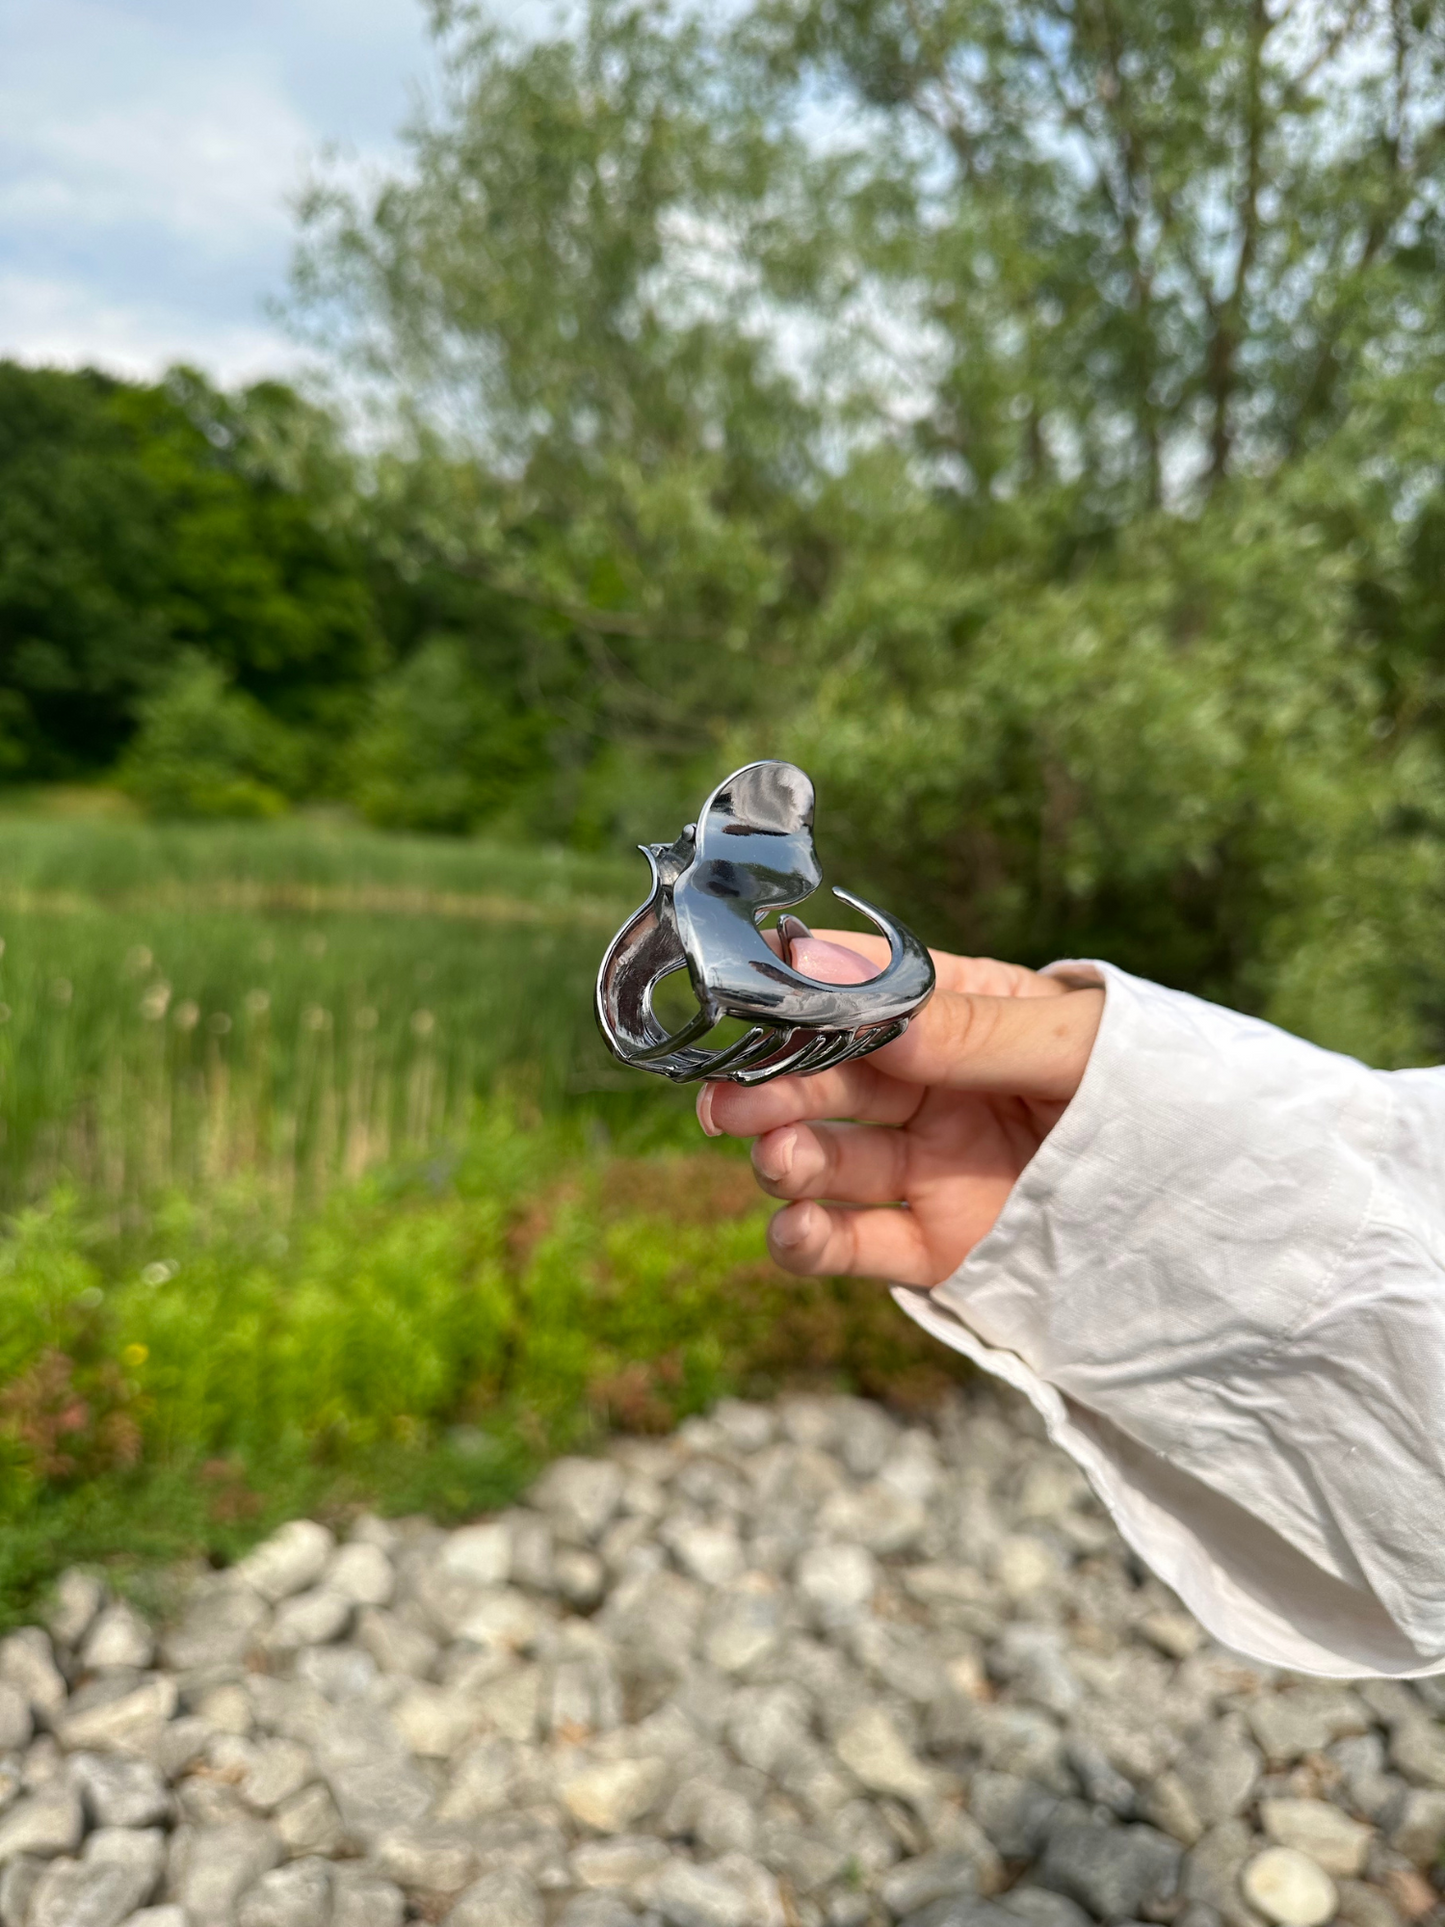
[[27, 1661], [437, 1859], [275, 1771], [395, 1646], [309, 1619], [1113, 1871], [18, 1880], [579, 1497], [119, 1637], [744, 1623], [957, 1910], [1212, 1870], [630, 1864], [211, 1867], [16, 1720], [879, 1757], [1314, 1827], [1418, 1831], [931, 1876], [502, 1899], [1038, 1907], [361, 1573], [1014, 1813], [837, 1582], [360, 1898], [596, 1910], [78, 1597], [748, 1427], [1176, 1634], [294, 1896], [309, 1823], [732, 1892], [218, 1629], [1219, 1771], [1102, 1784], [711, 1554], [1303, 1720], [119, 1723], [480, 1554], [611, 1795], [579, 1577], [1289, 1888], [117, 1792], [289, 1562], [434, 1721], [1370, 1788], [167, 1915], [118, 1873], [1417, 1748], [49, 1822], [1365, 1906]]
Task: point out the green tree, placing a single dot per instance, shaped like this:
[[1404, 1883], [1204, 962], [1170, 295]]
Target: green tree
[[139, 522]]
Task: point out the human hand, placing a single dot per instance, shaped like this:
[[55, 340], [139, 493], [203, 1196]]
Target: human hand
[[940, 1122]]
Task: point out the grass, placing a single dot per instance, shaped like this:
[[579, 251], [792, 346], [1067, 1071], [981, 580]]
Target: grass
[[323, 1193]]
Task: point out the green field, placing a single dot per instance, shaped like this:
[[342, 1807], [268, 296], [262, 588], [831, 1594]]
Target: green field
[[322, 1191]]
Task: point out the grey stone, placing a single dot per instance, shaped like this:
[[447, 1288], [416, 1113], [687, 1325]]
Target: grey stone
[[505, 1898], [1289, 1888], [118, 1873], [1102, 1783], [218, 1629], [120, 1792], [1014, 1813], [610, 1795], [361, 1573], [836, 1582], [732, 1892], [78, 1597], [1362, 1905], [1331, 1839], [579, 1497], [360, 1898], [395, 1645], [628, 1864], [880, 1758], [1418, 1827], [211, 1867], [120, 1722], [1039, 1907], [290, 1561], [1113, 1871], [1212, 1870], [294, 1896], [957, 1910], [596, 1910], [481, 1554], [49, 1822], [274, 1771], [1417, 1748], [27, 1660], [931, 1876], [439, 1859], [18, 1880], [309, 1823], [1304, 1719], [1220, 1768], [118, 1637], [311, 1618], [1371, 1790], [17, 1723], [166, 1915]]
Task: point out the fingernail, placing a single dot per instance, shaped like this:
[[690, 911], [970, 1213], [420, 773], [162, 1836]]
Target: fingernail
[[704, 1111], [776, 1160], [790, 1227]]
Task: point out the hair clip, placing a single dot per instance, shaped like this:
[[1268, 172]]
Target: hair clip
[[749, 853]]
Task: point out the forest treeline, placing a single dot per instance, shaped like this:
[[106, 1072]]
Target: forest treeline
[[1028, 416]]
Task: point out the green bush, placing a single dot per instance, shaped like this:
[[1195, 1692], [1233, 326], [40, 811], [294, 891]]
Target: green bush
[[204, 749]]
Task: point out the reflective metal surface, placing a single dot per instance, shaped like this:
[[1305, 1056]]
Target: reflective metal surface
[[750, 852]]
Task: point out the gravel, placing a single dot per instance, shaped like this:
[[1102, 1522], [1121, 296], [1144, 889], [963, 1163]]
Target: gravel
[[801, 1665]]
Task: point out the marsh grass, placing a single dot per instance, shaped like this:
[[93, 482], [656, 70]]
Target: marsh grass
[[180, 1007]]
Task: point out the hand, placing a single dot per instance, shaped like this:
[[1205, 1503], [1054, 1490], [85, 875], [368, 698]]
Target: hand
[[941, 1122]]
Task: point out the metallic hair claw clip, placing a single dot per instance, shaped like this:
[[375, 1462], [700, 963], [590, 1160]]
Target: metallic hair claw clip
[[750, 852]]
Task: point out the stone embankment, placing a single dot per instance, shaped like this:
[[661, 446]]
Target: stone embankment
[[798, 1666]]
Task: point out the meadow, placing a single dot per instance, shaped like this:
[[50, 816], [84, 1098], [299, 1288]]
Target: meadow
[[321, 1191]]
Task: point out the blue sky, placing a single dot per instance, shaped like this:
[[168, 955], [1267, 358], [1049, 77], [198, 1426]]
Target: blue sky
[[147, 152]]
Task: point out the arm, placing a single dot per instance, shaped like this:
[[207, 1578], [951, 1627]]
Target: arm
[[1211, 1254]]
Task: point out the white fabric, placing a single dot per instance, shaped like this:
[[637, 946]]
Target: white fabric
[[1221, 1280]]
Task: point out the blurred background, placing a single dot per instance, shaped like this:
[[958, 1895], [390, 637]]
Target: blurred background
[[436, 445]]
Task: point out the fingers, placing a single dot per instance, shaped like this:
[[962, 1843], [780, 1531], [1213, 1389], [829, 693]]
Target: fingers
[[855, 1164], [812, 1239], [1029, 1047], [976, 976]]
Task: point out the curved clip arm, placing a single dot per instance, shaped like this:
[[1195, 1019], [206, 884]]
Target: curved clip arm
[[750, 852]]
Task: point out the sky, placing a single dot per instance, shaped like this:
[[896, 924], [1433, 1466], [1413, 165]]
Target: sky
[[148, 153]]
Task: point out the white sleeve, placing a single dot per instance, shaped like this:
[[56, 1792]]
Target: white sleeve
[[1221, 1280]]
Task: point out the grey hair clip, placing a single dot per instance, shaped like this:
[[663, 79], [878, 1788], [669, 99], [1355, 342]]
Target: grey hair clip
[[750, 851]]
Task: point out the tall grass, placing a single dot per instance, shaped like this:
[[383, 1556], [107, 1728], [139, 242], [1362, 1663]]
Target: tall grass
[[180, 1007]]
